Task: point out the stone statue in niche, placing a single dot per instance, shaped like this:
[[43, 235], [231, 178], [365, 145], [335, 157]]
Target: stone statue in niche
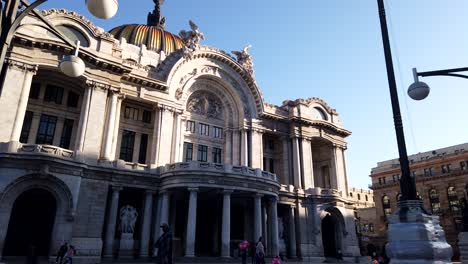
[[205, 104], [128, 217]]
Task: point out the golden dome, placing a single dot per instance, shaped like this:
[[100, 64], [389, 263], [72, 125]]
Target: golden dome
[[153, 37]]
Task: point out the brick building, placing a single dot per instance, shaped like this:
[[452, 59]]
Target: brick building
[[441, 181]]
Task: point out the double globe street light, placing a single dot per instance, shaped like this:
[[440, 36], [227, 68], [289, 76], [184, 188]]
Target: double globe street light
[[13, 12]]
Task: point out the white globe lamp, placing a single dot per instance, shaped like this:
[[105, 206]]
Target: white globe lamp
[[72, 65], [103, 9], [418, 90]]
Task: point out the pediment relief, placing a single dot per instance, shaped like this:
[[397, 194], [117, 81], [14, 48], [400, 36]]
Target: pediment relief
[[205, 104]]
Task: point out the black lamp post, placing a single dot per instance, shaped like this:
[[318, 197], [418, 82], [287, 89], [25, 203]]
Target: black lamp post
[[407, 183]]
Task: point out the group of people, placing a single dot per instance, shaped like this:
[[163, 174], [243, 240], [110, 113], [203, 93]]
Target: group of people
[[65, 254]]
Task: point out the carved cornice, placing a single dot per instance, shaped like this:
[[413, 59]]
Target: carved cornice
[[100, 85], [308, 102], [146, 82], [23, 66], [95, 30]]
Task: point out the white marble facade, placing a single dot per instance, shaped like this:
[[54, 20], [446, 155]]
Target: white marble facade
[[181, 139]]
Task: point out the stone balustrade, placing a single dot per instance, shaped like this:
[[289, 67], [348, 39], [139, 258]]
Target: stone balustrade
[[317, 191], [36, 149]]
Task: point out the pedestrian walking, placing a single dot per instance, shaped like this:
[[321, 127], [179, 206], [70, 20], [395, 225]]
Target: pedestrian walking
[[243, 246], [259, 252], [61, 253], [164, 246]]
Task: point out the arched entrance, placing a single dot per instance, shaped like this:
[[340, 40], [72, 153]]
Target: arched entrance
[[328, 236], [31, 223]]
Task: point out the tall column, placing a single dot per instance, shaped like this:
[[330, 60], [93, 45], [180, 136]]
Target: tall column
[[191, 223], [158, 112], [244, 148], [176, 138], [258, 216], [157, 221], [237, 149], [274, 226], [297, 164], [58, 131], [307, 164], [285, 171], [146, 226], [228, 147], [116, 127], [265, 226], [257, 149], [22, 104], [84, 113], [112, 220], [182, 138], [34, 127], [226, 229], [110, 125], [292, 232], [164, 218]]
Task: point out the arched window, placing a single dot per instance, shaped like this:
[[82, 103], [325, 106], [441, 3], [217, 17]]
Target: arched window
[[73, 34], [453, 199], [351, 194], [386, 205], [359, 197], [434, 200], [318, 113], [367, 198]]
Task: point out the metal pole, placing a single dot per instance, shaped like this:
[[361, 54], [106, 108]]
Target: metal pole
[[407, 184]]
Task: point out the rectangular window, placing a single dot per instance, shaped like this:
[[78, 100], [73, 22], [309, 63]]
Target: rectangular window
[[35, 90], [143, 148], [428, 171], [126, 147], [272, 165], [445, 168], [217, 155], [204, 129], [46, 131], [202, 153], [72, 100], [188, 152], [396, 177], [66, 133], [53, 94], [26, 127], [218, 132], [463, 165], [146, 117], [190, 126], [131, 113]]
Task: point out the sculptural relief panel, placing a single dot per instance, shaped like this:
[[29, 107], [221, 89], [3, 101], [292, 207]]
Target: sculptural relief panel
[[205, 104]]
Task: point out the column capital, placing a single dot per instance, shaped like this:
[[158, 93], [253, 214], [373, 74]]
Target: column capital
[[150, 192], [228, 191], [98, 85], [193, 189], [258, 195], [116, 188], [23, 66]]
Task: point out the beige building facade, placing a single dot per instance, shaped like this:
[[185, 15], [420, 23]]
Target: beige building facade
[[441, 181], [160, 129]]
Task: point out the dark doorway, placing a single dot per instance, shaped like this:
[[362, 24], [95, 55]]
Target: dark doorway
[[31, 223], [329, 236], [207, 225]]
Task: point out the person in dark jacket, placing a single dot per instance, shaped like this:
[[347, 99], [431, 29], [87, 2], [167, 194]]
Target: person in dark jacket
[[61, 253], [164, 246]]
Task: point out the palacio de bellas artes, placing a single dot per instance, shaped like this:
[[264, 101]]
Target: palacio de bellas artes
[[160, 128]]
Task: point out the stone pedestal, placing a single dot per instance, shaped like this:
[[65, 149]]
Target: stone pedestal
[[416, 237], [463, 246], [127, 244]]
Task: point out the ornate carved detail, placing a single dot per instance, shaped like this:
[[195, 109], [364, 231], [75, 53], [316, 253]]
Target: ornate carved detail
[[52, 150], [210, 69], [183, 80], [309, 101], [245, 59], [22, 65], [205, 104], [97, 31], [94, 84], [191, 40]]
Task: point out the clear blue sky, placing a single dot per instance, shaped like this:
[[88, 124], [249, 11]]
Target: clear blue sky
[[332, 49]]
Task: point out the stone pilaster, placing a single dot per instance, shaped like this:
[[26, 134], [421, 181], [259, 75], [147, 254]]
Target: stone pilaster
[[307, 164], [244, 148], [226, 228], [146, 225], [110, 126], [29, 72], [84, 113], [297, 163], [237, 149], [112, 221], [257, 149], [162, 134], [176, 146], [116, 127], [285, 171], [228, 159], [191, 223]]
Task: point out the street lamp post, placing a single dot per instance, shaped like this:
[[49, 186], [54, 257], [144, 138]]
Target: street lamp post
[[420, 90], [413, 235], [13, 12]]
